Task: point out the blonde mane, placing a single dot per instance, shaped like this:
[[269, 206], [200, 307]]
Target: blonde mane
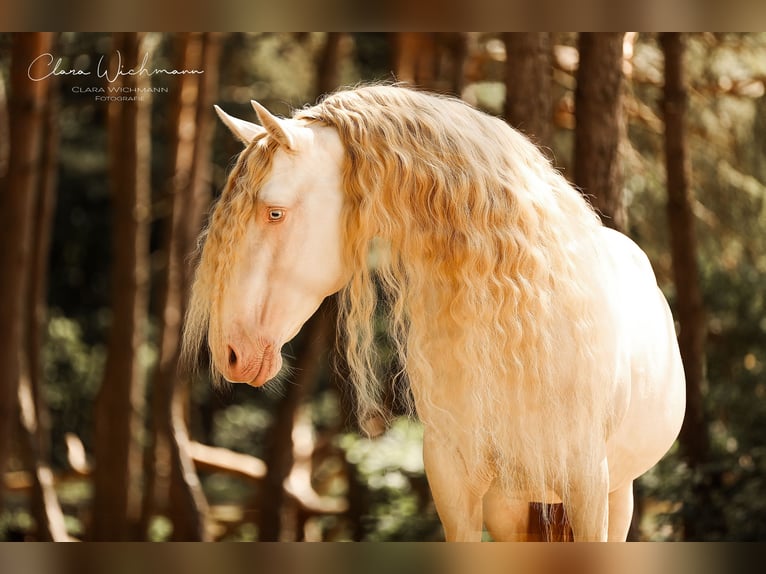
[[491, 277]]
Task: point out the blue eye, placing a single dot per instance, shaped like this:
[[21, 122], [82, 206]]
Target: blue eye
[[276, 214]]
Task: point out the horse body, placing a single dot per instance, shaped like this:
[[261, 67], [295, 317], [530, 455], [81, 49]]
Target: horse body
[[648, 404], [650, 398], [540, 351], [656, 390]]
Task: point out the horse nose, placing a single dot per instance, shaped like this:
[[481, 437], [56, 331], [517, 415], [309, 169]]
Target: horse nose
[[244, 362], [235, 367]]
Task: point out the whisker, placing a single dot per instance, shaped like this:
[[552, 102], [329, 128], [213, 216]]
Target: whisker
[[275, 388]]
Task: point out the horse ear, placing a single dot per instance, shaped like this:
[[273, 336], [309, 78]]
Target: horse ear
[[276, 127], [245, 131]]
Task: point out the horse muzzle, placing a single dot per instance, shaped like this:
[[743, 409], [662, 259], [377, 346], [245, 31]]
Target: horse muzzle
[[254, 367]]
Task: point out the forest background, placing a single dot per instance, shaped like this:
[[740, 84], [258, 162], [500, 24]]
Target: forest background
[[102, 438]]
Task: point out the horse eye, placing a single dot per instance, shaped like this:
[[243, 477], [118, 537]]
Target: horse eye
[[276, 214]]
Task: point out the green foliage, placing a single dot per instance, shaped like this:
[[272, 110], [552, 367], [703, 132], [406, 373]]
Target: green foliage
[[242, 427], [735, 403], [390, 466], [72, 374], [14, 524], [726, 145], [160, 529]]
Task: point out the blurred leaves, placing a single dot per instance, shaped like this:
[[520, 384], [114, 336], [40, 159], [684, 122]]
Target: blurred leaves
[[391, 466], [72, 373]]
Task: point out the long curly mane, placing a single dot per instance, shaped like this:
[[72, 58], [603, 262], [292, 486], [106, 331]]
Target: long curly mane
[[491, 277]]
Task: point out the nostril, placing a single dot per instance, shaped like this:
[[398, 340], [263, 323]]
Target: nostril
[[232, 357]]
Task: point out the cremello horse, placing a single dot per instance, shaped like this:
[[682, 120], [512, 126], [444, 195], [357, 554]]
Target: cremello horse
[[540, 352]]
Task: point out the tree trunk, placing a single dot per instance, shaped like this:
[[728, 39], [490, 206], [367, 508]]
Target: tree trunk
[[694, 438], [528, 98], [600, 124], [171, 475], [119, 405], [415, 58], [38, 284], [279, 455], [19, 187], [188, 504], [430, 60], [457, 43], [5, 137], [35, 417], [327, 67]]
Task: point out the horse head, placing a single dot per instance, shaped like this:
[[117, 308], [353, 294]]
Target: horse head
[[288, 256]]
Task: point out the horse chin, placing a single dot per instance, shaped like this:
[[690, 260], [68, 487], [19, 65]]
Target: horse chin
[[270, 367]]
